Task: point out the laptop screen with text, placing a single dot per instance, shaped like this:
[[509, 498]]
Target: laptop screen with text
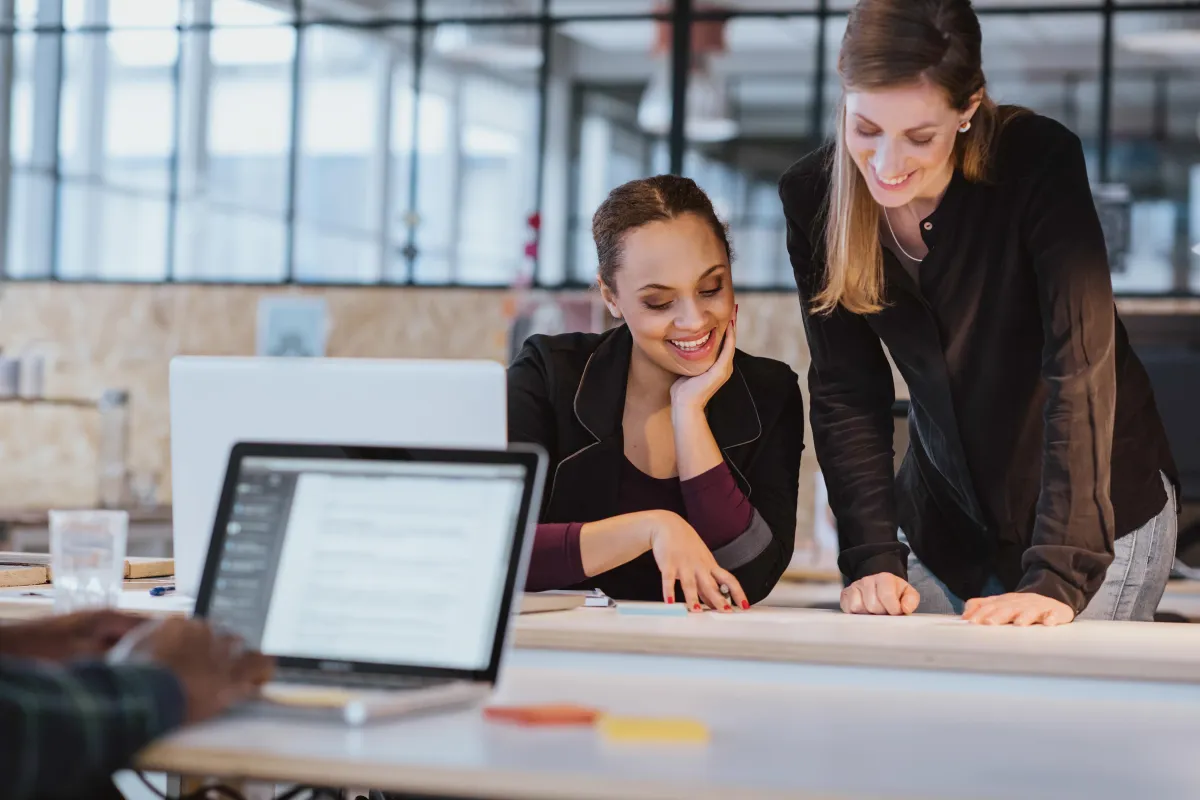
[[388, 562]]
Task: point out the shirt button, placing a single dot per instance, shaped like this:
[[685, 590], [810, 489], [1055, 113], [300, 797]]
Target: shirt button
[[928, 226]]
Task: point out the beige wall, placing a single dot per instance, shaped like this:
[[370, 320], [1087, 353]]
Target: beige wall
[[102, 337], [107, 336]]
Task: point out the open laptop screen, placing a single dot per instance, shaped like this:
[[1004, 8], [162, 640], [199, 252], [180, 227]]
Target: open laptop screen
[[388, 562]]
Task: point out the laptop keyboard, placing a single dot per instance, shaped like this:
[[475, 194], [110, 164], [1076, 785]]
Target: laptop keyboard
[[357, 680]]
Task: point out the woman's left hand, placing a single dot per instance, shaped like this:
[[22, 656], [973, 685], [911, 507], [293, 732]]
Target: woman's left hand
[[1018, 608], [695, 392]]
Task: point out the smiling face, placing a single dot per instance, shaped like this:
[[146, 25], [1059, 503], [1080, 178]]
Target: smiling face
[[673, 289], [902, 139]]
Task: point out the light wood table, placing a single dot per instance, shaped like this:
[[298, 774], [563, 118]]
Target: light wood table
[[1116, 650], [1182, 597], [778, 730]]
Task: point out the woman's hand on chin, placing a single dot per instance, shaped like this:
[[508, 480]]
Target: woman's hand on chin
[[693, 394], [683, 557]]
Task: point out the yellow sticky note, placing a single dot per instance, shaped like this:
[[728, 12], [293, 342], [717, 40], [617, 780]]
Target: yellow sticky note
[[653, 730]]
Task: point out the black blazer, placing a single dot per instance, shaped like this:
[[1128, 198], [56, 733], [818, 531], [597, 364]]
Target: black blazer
[[567, 394], [1034, 437]]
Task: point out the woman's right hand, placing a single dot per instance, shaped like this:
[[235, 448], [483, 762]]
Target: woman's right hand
[[684, 557], [884, 593]]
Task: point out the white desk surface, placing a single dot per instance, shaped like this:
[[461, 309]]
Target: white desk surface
[[1120, 650], [1124, 650], [778, 730], [28, 602]]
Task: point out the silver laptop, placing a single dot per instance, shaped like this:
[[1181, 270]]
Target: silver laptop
[[380, 578], [216, 402]]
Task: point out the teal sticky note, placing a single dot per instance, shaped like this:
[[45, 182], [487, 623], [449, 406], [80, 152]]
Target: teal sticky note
[[653, 610]]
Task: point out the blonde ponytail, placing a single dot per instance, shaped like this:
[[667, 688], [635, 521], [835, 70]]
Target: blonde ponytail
[[853, 255]]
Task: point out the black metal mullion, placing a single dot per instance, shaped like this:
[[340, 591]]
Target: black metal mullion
[[55, 158], [818, 110], [1161, 113], [173, 159], [1106, 90], [414, 153], [294, 144], [681, 65], [573, 182], [542, 135]]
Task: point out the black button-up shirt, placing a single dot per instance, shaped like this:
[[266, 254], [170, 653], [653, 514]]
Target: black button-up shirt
[[1035, 440]]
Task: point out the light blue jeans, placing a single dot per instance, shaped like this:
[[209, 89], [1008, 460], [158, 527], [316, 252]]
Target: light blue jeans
[[1132, 588]]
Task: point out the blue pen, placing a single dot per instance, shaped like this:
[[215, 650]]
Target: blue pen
[[159, 591]]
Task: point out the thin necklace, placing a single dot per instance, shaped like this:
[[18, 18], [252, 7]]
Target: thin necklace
[[897, 240]]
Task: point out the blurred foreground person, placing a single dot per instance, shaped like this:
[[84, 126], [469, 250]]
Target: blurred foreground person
[[69, 718]]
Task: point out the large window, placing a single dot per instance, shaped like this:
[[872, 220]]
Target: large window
[[235, 167], [467, 142]]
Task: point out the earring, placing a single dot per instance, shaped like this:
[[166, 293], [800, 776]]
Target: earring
[[966, 126]]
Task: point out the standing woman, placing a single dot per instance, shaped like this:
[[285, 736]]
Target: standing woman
[[1039, 486]]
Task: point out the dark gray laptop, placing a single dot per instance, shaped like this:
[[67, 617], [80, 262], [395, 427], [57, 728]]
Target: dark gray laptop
[[380, 578]]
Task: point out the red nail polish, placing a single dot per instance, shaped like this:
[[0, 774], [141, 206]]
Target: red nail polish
[[696, 607], [728, 607], [670, 599], [745, 605]]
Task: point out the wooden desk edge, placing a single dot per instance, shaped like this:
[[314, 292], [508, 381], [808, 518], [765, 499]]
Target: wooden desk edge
[[15, 576], [484, 783], [855, 655]]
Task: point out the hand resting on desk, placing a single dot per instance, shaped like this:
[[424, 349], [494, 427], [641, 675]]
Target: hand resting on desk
[[1018, 608], [883, 593], [889, 594], [681, 555]]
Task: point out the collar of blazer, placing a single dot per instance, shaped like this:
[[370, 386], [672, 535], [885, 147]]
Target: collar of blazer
[[585, 485], [600, 399]]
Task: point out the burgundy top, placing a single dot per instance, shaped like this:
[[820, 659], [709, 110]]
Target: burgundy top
[[711, 502]]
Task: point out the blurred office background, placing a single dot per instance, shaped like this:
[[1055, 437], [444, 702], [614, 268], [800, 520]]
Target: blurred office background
[[166, 164]]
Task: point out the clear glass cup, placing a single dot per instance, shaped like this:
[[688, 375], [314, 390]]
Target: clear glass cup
[[87, 558]]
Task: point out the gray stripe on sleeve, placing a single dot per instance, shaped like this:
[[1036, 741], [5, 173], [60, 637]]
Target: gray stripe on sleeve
[[746, 547]]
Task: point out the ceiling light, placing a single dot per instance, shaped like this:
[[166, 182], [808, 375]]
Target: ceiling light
[[708, 117], [708, 114]]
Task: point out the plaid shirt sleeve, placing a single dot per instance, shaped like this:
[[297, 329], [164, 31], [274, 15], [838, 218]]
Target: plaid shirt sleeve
[[65, 729]]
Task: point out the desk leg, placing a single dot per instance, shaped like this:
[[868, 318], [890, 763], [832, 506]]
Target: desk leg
[[179, 785], [183, 785]]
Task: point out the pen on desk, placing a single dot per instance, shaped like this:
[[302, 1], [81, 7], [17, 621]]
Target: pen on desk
[[159, 591]]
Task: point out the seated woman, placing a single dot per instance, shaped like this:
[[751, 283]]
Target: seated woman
[[674, 458]]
